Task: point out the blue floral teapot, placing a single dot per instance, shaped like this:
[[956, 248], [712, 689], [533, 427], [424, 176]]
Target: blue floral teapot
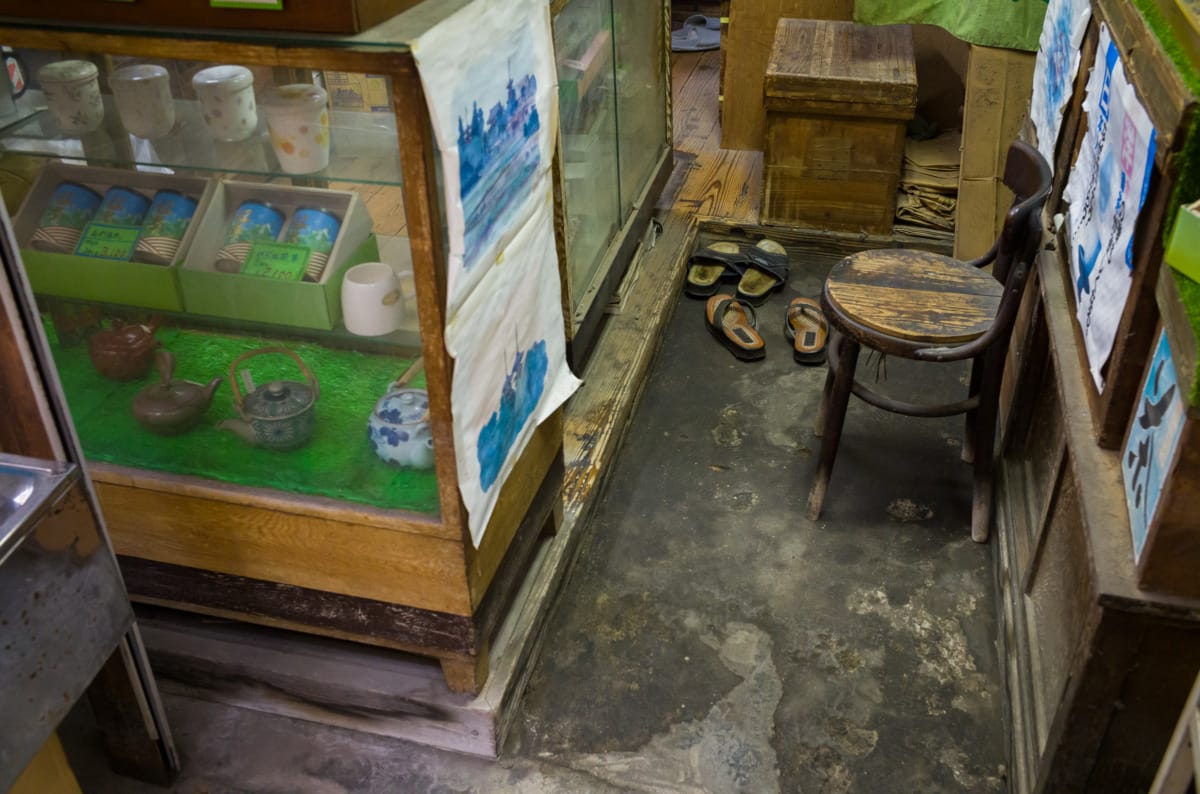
[[399, 428]]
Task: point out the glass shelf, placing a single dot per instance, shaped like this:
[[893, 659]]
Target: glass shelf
[[363, 145]]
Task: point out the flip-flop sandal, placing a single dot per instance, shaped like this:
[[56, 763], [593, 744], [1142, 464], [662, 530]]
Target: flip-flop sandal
[[735, 326], [805, 327], [766, 271], [709, 266], [698, 33]]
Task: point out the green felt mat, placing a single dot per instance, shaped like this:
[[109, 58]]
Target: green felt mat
[[337, 463]]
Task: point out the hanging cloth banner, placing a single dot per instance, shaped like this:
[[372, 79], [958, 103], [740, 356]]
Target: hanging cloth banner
[[1055, 69], [1013, 24], [510, 370], [1106, 190], [491, 84]]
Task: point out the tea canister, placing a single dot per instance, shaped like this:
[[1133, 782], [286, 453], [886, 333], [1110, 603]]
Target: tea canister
[[122, 207], [253, 221], [69, 210], [164, 227], [316, 230], [72, 91], [226, 96], [142, 93], [298, 120]]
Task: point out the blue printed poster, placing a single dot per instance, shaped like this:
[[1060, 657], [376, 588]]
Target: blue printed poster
[[1105, 193], [1153, 438], [491, 85], [1055, 69], [510, 365]]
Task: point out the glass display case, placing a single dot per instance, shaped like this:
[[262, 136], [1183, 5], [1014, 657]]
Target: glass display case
[[236, 243], [613, 81]]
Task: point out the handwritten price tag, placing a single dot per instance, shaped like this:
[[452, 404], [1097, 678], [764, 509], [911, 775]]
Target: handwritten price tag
[[105, 241], [277, 260]]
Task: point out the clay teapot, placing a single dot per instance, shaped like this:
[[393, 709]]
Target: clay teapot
[[123, 352], [172, 406], [399, 428], [279, 415]]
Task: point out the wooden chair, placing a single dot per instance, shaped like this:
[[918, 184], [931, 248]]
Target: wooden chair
[[928, 307]]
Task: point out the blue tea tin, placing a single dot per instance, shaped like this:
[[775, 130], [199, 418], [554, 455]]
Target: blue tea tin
[[164, 227], [122, 207], [316, 230], [70, 208], [253, 221]]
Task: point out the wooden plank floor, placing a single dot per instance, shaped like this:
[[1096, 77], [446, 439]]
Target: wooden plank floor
[[718, 183]]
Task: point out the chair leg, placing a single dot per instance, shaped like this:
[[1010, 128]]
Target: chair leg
[[833, 347], [968, 444], [984, 432], [833, 411]]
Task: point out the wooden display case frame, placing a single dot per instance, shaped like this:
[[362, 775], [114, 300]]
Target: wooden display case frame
[[383, 577]]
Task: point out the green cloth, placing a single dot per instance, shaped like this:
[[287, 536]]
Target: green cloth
[[1013, 24], [338, 463]]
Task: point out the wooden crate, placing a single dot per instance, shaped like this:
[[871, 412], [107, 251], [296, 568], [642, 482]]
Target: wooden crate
[[838, 95]]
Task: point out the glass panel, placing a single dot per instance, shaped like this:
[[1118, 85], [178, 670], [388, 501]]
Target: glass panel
[[245, 274], [583, 43], [641, 93]]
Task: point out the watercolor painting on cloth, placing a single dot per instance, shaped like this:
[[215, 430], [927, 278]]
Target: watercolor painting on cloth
[[510, 361], [493, 104]]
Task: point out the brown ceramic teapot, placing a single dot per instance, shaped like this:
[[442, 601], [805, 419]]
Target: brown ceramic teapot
[[172, 406], [123, 352]]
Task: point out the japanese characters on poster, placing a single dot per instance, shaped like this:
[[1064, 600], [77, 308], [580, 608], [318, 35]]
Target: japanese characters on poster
[[1055, 69], [1105, 191]]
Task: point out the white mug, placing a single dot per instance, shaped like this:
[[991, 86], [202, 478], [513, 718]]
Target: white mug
[[143, 96], [226, 96], [372, 299], [72, 90]]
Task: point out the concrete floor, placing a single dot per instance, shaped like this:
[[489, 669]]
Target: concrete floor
[[711, 639]]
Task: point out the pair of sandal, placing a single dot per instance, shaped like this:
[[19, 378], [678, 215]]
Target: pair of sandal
[[734, 324], [759, 269]]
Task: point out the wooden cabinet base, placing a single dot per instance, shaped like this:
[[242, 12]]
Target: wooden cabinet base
[[458, 641]]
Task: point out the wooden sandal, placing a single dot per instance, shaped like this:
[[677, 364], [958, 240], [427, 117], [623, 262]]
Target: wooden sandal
[[735, 325], [709, 266], [766, 272], [805, 327]]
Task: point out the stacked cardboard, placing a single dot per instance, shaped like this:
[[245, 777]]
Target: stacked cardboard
[[929, 182]]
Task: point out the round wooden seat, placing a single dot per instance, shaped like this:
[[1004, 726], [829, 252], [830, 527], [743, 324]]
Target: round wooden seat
[[914, 296]]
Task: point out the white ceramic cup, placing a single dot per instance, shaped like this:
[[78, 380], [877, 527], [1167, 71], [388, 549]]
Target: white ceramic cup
[[72, 91], [143, 96], [226, 95], [372, 299], [298, 120]]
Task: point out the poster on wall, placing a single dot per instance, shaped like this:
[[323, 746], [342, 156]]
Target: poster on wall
[[1153, 438], [1105, 193], [510, 368], [490, 81], [1055, 69]]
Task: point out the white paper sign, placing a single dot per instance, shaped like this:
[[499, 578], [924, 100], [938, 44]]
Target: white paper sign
[[491, 84], [510, 370], [1106, 190], [1055, 69]]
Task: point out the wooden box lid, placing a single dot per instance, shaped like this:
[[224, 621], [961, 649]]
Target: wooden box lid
[[835, 66]]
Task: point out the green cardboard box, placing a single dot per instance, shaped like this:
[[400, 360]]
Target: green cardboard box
[[1183, 250], [105, 280], [298, 304]]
